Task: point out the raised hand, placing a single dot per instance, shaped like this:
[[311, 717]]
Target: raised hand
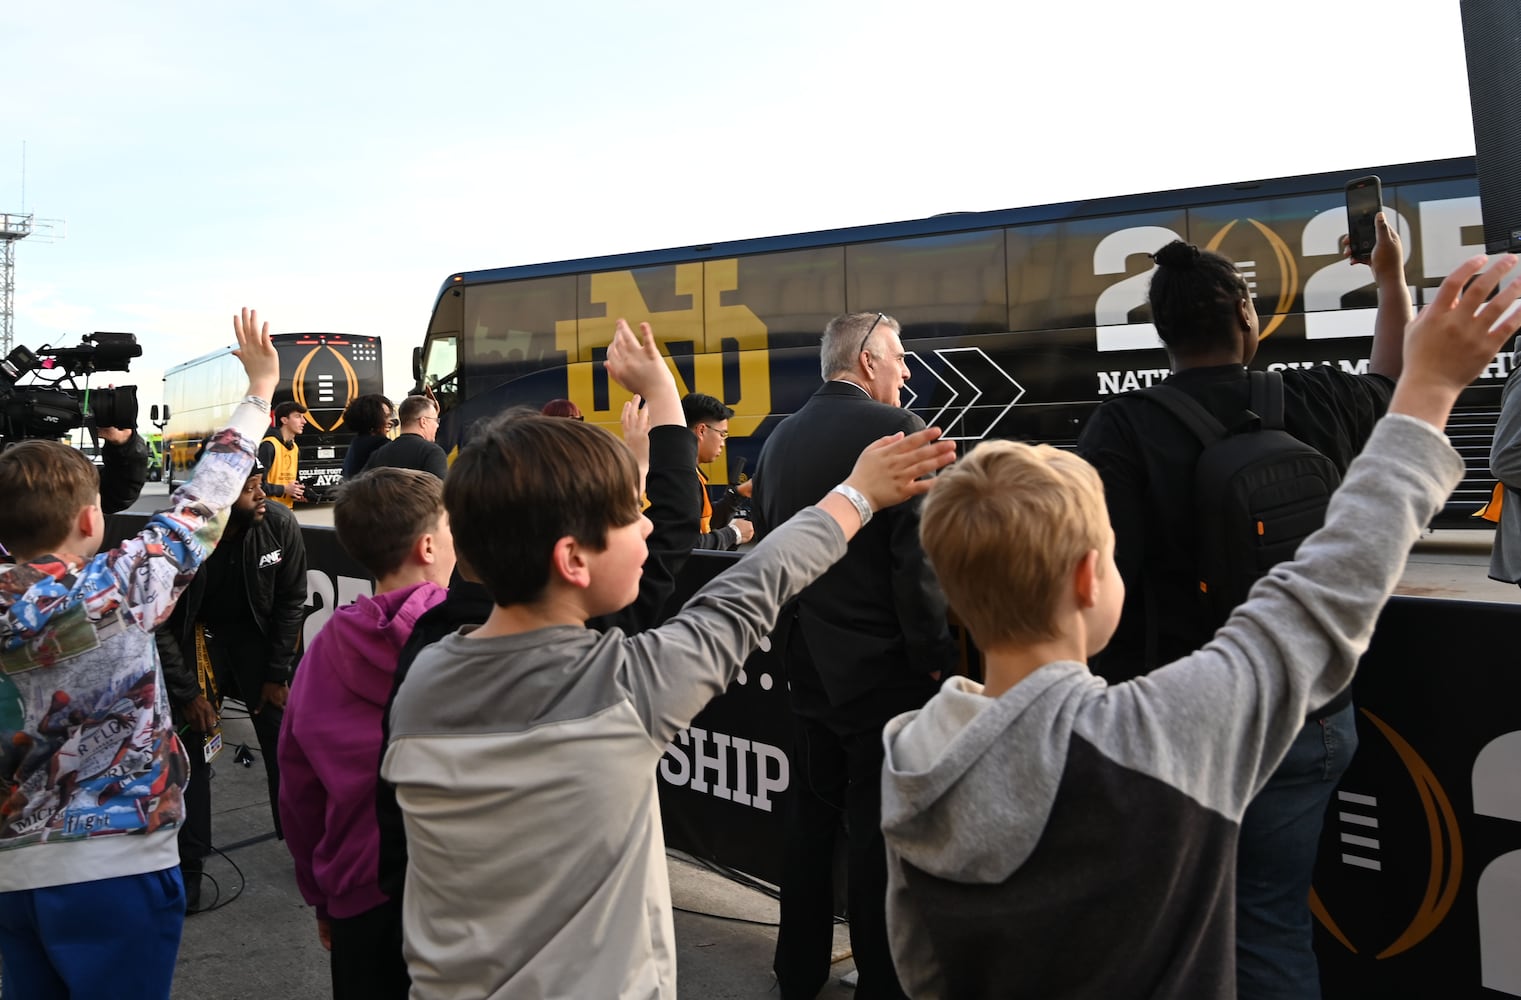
[[636, 434], [888, 470], [1388, 257], [635, 362], [257, 352]]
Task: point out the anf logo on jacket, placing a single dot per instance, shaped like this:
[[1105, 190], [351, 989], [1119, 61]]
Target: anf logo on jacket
[[269, 559]]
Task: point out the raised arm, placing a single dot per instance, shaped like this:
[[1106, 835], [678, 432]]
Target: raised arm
[[154, 566], [124, 468], [1394, 310], [667, 455], [1296, 641], [725, 620]]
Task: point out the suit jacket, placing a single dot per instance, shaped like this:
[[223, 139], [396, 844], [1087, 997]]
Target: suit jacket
[[877, 619]]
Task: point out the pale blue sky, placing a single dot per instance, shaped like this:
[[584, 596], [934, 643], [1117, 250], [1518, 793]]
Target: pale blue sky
[[331, 163]]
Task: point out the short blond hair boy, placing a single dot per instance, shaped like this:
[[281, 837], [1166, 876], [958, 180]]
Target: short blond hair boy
[[1052, 836], [1003, 529]]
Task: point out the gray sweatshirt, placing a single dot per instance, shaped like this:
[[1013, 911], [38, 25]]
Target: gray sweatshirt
[[1073, 839], [525, 770]]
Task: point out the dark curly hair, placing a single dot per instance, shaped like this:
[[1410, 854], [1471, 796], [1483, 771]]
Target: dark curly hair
[[1194, 297], [369, 414]]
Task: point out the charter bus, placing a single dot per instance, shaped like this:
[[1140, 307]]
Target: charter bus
[[1017, 323], [322, 371]]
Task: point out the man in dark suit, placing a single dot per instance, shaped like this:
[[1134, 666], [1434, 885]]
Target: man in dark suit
[[413, 447], [862, 644]]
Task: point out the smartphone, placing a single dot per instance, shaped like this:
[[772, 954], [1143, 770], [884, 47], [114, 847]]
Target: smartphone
[[1365, 199]]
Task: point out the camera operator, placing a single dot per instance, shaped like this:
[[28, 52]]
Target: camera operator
[[124, 468]]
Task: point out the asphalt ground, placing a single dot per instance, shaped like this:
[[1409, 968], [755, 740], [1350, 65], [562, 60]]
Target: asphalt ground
[[259, 940]]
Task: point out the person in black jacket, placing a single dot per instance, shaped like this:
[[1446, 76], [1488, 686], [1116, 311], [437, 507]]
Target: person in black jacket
[[413, 447], [371, 418], [124, 468], [1206, 315], [235, 633], [864, 642]]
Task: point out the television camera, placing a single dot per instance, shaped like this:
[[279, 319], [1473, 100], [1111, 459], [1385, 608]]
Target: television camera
[[52, 403]]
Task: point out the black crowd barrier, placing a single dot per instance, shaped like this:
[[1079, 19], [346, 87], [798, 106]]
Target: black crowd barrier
[[1418, 889]]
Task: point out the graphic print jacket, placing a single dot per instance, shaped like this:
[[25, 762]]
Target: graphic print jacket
[[91, 772]]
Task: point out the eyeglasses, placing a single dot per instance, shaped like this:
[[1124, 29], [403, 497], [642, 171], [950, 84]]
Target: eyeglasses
[[722, 434], [869, 331]]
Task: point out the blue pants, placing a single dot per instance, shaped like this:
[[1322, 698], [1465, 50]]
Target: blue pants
[[116, 937], [1275, 861]]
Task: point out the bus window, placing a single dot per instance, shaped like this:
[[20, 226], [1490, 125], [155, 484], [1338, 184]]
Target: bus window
[[1086, 272], [794, 294], [440, 361], [511, 327], [936, 286]]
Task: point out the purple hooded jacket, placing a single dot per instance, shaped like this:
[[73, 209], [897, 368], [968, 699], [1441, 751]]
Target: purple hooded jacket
[[330, 746]]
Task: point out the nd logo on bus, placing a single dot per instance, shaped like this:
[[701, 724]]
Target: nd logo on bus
[[700, 332]]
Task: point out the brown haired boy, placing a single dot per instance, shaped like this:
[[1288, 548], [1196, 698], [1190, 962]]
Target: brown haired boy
[[1052, 836], [91, 776], [524, 751], [392, 521]]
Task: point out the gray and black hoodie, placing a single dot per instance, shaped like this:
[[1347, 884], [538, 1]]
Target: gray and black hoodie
[[1073, 839]]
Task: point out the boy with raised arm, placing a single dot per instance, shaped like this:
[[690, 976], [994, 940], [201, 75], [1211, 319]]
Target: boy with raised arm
[[91, 771], [524, 751], [1053, 836]]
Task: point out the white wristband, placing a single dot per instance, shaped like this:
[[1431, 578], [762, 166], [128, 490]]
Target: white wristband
[[258, 401], [857, 500]]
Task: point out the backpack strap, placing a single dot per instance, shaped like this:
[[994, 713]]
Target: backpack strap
[[1267, 399], [1189, 411]]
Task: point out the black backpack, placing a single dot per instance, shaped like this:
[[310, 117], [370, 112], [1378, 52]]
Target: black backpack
[[1258, 490]]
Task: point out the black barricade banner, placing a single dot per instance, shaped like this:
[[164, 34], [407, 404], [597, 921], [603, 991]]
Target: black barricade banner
[[1418, 886], [723, 780]]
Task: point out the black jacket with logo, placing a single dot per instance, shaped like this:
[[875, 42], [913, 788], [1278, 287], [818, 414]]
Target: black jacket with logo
[[274, 564]]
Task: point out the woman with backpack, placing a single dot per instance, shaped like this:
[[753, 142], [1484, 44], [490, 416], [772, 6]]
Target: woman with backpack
[[1182, 560]]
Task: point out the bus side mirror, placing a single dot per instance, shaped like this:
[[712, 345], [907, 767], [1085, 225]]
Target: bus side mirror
[[153, 413], [417, 371]]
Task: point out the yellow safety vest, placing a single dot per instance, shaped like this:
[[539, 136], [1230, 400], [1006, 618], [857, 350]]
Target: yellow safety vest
[[283, 471]]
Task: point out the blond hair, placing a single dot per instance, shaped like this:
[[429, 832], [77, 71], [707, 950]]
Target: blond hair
[[1004, 528]]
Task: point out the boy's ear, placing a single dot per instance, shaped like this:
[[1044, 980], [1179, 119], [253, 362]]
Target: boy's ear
[[1085, 580], [90, 522], [568, 562]]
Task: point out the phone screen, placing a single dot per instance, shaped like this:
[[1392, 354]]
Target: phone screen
[[1364, 201]]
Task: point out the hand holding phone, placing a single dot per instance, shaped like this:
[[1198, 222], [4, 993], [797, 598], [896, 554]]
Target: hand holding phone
[[1365, 199]]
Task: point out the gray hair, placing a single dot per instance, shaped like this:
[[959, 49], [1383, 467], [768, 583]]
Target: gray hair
[[840, 347]]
